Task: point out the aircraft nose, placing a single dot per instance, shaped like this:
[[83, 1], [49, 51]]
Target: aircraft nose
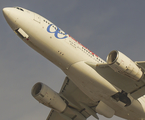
[[10, 16], [6, 12]]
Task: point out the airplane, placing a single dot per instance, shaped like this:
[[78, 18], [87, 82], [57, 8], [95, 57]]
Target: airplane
[[92, 86]]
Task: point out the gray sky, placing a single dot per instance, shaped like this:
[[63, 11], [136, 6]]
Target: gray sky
[[100, 25]]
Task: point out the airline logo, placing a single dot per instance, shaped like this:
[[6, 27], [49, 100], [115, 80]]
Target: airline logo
[[58, 33]]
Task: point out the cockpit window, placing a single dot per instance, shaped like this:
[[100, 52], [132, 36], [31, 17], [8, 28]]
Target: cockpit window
[[19, 8]]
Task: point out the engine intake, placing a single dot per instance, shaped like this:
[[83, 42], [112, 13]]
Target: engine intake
[[48, 97], [122, 64]]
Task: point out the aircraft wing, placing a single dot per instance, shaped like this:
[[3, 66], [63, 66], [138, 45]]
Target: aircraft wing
[[79, 104], [135, 88], [53, 115], [141, 64]]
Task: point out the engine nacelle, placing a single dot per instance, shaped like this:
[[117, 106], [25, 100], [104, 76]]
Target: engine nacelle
[[48, 97], [122, 64]]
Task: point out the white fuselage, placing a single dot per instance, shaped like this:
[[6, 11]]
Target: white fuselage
[[70, 56]]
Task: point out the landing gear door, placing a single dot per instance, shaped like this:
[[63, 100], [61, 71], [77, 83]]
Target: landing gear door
[[37, 18], [21, 33]]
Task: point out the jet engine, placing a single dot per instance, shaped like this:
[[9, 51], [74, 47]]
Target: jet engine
[[122, 64], [48, 97]]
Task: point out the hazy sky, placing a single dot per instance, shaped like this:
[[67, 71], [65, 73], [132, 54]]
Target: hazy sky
[[100, 25]]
